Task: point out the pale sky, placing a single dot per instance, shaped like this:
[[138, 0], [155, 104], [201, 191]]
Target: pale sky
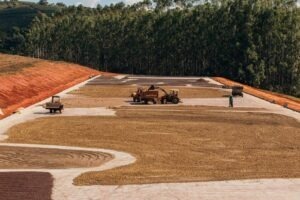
[[93, 3]]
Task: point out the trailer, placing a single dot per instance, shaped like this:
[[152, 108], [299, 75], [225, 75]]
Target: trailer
[[145, 96]]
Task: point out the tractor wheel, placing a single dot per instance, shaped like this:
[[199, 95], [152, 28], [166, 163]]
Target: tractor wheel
[[175, 101]]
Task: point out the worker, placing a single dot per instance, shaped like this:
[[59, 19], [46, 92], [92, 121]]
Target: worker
[[230, 101]]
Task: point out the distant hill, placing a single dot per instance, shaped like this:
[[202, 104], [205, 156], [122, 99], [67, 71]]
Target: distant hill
[[15, 18], [20, 14]]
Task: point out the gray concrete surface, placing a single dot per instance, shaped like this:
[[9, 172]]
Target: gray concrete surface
[[247, 101]]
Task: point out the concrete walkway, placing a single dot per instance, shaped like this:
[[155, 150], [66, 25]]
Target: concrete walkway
[[260, 189], [247, 101]]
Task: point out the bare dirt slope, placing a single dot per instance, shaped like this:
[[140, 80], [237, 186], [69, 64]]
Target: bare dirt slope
[[25, 81]]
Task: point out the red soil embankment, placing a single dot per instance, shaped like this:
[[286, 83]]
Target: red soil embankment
[[291, 103], [42, 79]]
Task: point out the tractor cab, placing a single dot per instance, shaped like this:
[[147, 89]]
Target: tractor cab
[[174, 92], [55, 99]]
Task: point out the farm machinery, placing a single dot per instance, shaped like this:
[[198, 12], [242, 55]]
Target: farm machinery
[[54, 105], [152, 95], [237, 90]]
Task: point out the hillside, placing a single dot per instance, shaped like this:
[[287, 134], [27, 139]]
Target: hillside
[[15, 19], [25, 81], [20, 14]]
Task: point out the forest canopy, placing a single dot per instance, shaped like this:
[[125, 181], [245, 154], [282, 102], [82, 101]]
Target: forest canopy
[[256, 42]]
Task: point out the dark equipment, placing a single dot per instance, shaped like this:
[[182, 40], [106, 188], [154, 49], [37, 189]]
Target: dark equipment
[[54, 105], [171, 97], [237, 90]]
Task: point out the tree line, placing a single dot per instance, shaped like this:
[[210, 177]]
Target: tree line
[[256, 42]]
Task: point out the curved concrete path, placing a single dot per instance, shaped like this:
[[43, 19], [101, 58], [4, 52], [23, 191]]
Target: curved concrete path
[[63, 178]]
